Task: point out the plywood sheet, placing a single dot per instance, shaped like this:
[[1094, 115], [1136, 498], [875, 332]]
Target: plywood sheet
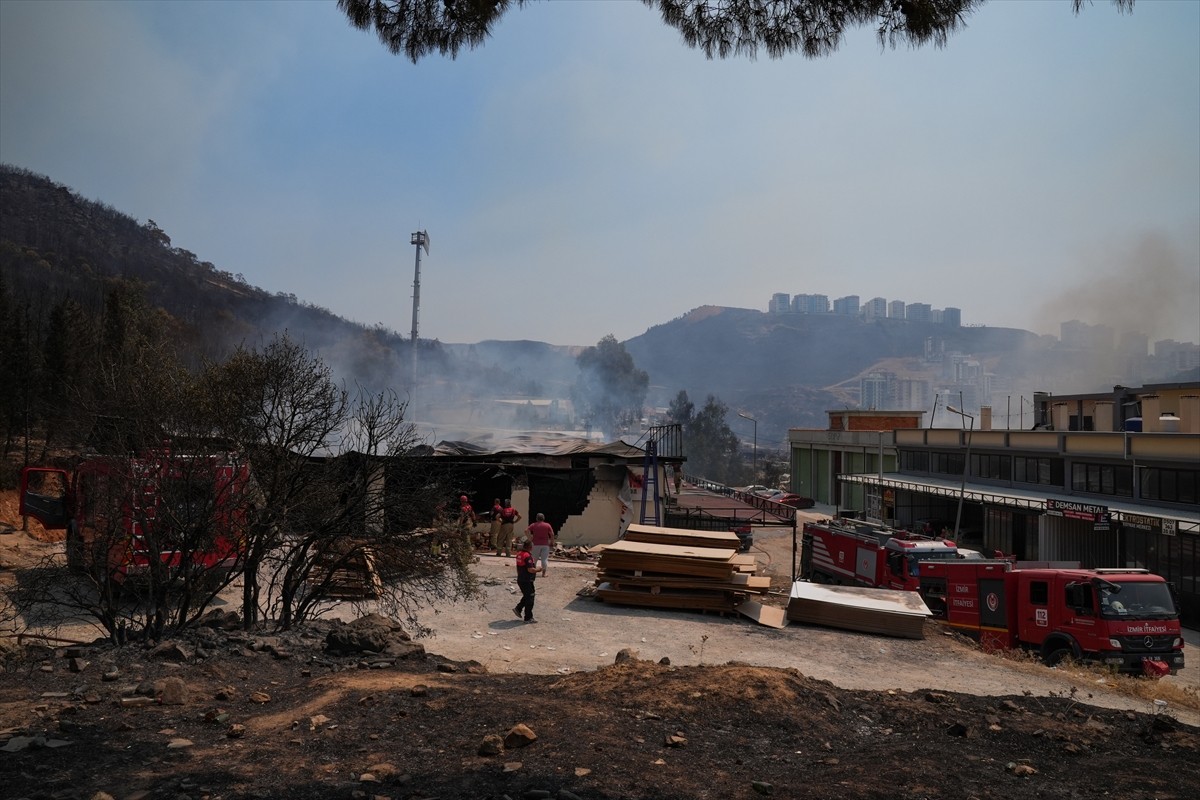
[[678, 551], [771, 616], [884, 611], [683, 536]]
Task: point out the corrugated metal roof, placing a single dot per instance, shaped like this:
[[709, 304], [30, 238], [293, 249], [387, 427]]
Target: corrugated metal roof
[[1189, 521], [546, 443]]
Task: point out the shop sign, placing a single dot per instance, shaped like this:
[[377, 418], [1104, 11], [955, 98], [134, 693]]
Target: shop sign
[[1141, 522], [1087, 512]]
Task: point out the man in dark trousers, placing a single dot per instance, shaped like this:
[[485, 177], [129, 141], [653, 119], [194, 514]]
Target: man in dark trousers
[[527, 569]]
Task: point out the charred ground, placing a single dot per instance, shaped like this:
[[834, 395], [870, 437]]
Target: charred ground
[[225, 714]]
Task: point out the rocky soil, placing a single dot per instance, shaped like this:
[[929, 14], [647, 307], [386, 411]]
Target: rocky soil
[[224, 714], [593, 702]]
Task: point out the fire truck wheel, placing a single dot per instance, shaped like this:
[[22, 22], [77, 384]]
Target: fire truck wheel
[[1057, 653], [74, 548]]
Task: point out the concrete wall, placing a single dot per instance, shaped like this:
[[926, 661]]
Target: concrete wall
[[600, 522]]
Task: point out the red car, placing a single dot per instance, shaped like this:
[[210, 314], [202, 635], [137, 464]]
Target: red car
[[794, 500]]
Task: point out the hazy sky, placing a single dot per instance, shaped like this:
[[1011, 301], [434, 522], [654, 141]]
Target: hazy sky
[[585, 173]]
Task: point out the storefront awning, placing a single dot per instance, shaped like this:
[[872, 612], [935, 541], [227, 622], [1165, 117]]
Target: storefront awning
[[1032, 500]]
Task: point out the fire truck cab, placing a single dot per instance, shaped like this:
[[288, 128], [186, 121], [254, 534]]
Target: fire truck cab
[[1122, 618]]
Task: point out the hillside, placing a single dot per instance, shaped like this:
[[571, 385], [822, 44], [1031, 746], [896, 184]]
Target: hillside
[[784, 370]]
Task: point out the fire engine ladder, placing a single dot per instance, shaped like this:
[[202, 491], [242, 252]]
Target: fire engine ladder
[[650, 483]]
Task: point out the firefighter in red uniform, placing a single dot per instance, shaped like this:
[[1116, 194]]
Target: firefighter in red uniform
[[527, 569], [467, 519]]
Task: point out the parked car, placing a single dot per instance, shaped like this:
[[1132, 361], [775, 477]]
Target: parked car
[[795, 500], [754, 489]]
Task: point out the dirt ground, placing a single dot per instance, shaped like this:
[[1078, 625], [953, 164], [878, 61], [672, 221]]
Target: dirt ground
[[699, 706]]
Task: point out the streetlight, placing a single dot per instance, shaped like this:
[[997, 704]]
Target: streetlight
[[966, 464], [754, 463]]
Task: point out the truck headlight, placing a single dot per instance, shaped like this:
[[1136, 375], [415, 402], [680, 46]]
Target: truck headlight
[[1178, 642], [1115, 644]]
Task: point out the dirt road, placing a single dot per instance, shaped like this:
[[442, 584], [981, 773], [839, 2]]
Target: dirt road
[[580, 633]]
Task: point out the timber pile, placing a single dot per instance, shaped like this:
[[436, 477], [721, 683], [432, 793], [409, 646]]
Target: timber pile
[[676, 568], [346, 572]]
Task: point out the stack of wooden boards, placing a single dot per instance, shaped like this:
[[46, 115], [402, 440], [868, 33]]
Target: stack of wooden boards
[[345, 571], [677, 568]]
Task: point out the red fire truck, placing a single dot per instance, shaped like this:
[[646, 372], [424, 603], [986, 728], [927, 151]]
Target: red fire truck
[[122, 513], [863, 554], [1121, 618]]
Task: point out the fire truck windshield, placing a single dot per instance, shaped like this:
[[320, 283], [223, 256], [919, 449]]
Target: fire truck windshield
[[1138, 600], [916, 557]]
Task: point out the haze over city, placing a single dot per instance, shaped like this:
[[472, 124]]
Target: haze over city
[[584, 172]]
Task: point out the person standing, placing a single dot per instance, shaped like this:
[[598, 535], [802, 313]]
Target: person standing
[[497, 510], [466, 519], [509, 517], [541, 534], [526, 574]]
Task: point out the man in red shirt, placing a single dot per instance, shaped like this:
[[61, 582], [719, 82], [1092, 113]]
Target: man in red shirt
[[526, 573], [541, 533]]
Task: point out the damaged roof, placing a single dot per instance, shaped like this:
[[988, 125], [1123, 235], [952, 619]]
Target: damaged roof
[[546, 443]]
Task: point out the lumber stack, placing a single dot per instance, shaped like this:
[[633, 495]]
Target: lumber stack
[[677, 568], [346, 572]]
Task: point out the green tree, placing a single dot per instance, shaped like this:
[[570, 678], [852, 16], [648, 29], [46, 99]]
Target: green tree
[[610, 390], [66, 367], [681, 410], [712, 448], [720, 28]]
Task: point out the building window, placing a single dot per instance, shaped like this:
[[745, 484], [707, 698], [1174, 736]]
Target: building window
[[1170, 485], [947, 463], [994, 467], [914, 460], [1102, 479], [1041, 471]]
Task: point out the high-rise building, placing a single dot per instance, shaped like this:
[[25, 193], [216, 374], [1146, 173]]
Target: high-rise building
[[846, 306], [952, 317], [896, 311], [875, 308], [918, 312], [781, 303], [1177, 356], [810, 304], [873, 390]]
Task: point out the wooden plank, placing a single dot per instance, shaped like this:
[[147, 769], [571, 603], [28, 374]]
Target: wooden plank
[[656, 534], [697, 601], [677, 551], [771, 616], [738, 581]]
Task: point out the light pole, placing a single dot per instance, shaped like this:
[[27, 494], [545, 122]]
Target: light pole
[[754, 462], [966, 464]]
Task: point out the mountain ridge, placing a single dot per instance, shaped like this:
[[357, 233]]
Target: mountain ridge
[[784, 370]]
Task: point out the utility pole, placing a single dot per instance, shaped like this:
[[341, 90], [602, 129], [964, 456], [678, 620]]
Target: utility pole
[[754, 453], [419, 239]]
